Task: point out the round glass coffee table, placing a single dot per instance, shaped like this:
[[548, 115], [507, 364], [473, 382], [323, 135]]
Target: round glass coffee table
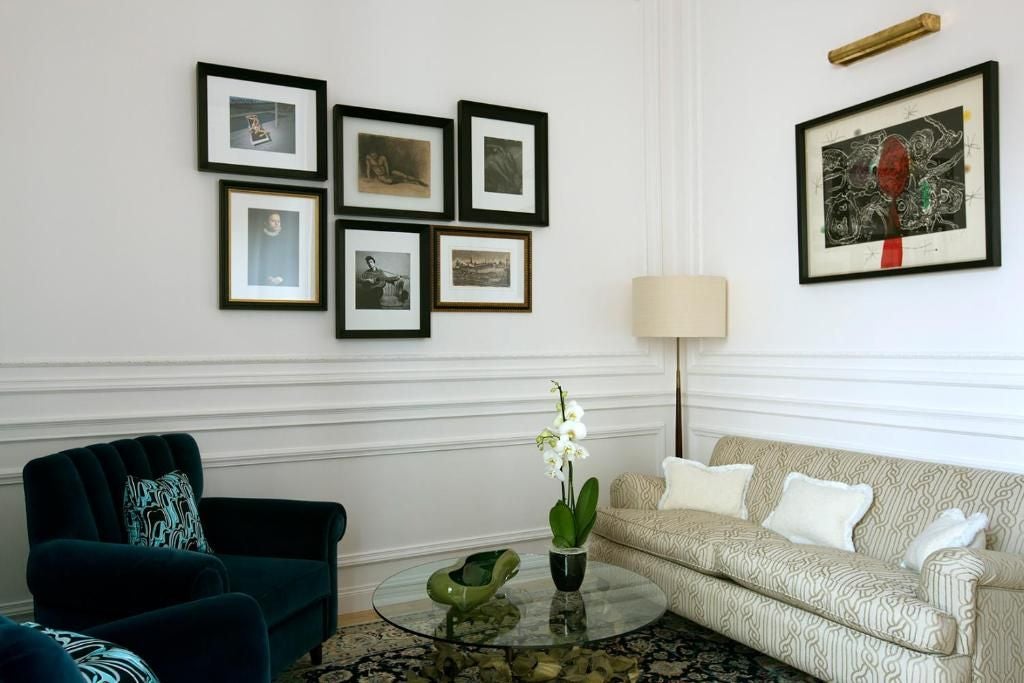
[[527, 615]]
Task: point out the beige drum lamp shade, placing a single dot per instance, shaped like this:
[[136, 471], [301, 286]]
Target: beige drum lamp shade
[[685, 306]]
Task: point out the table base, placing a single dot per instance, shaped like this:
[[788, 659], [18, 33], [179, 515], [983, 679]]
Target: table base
[[556, 664]]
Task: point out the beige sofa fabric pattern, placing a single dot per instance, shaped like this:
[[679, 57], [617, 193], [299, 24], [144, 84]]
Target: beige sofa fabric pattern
[[847, 616]]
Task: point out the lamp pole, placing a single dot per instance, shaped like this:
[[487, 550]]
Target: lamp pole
[[679, 406]]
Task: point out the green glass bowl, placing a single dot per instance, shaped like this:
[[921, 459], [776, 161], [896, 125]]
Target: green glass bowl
[[474, 580]]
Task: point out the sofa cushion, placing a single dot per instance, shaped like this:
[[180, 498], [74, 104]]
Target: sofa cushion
[[162, 513], [688, 537], [854, 590], [282, 586], [97, 660]]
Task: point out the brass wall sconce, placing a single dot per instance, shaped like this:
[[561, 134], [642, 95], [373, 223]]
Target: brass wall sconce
[[886, 39]]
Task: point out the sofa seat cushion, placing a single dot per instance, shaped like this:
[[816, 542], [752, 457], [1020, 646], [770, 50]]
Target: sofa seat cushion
[[282, 586], [688, 537], [854, 590]]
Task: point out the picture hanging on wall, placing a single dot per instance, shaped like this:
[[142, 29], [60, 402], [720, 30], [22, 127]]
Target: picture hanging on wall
[[482, 270], [904, 183], [272, 242], [503, 164], [393, 164], [260, 123], [383, 279]]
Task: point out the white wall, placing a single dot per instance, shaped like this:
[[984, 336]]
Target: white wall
[[928, 366], [109, 323]]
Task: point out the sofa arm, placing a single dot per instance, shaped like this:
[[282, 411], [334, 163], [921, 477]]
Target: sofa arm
[[952, 578], [106, 581], [273, 528], [637, 491], [223, 638]]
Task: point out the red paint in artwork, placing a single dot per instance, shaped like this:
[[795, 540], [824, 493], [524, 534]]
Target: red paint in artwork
[[893, 175]]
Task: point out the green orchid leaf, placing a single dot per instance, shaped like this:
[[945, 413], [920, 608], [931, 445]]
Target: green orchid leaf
[[586, 509], [563, 526]]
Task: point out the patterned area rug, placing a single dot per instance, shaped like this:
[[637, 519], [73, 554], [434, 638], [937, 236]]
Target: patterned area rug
[[672, 649]]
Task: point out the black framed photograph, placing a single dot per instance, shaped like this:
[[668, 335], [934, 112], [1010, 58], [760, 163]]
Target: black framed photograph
[[261, 123], [383, 279], [272, 246], [905, 183], [482, 270], [503, 164], [392, 164]]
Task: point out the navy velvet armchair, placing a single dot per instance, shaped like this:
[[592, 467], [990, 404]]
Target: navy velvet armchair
[[82, 572], [221, 639]]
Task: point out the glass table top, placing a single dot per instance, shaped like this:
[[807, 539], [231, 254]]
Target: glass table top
[[527, 612]]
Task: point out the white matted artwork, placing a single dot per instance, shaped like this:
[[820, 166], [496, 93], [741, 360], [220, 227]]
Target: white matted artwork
[[482, 270], [272, 246], [904, 183], [382, 280], [259, 123], [503, 164], [393, 164]]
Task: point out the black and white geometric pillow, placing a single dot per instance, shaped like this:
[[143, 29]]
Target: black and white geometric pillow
[[98, 660], [162, 513]]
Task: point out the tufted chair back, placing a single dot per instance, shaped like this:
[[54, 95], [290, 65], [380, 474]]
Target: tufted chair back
[[79, 493]]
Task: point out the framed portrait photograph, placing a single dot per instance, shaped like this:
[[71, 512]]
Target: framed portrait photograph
[[383, 279], [482, 270], [905, 183], [272, 246], [261, 123], [503, 164], [392, 164]]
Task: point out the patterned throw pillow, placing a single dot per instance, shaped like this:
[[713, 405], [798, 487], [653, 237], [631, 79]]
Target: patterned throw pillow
[[162, 513], [98, 660]]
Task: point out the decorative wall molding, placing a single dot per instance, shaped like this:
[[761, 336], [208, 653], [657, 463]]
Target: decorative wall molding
[[457, 545], [989, 425], [95, 426], [12, 477], [19, 610], [966, 380]]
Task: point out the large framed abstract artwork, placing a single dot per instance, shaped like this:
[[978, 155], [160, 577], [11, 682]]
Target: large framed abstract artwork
[[905, 183]]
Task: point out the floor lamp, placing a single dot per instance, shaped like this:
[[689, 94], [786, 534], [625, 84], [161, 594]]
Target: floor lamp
[[683, 307]]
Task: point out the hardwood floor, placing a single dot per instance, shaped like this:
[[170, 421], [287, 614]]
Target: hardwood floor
[[353, 618]]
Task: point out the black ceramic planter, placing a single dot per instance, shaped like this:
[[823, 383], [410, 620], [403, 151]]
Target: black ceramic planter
[[568, 567]]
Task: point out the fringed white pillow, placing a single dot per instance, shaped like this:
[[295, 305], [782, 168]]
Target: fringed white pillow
[[951, 529], [690, 485], [818, 511]]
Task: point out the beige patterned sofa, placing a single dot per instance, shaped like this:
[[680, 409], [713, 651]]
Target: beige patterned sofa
[[838, 615]]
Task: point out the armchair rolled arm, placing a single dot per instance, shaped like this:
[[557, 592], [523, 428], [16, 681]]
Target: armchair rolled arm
[[273, 528], [637, 491], [117, 580], [951, 578], [223, 638]]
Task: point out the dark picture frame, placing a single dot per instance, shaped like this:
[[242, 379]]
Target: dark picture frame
[[273, 246], [260, 123], [475, 271], [904, 183], [380, 300], [503, 164], [386, 164]]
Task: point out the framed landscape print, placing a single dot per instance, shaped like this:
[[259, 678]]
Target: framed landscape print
[[383, 279], [503, 164], [482, 270], [393, 164], [260, 123], [272, 246], [905, 183]]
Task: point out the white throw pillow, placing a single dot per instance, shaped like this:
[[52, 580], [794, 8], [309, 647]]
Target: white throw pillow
[[819, 512], [690, 485], [951, 529]]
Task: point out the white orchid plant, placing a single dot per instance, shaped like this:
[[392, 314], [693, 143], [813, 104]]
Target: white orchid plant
[[572, 517]]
